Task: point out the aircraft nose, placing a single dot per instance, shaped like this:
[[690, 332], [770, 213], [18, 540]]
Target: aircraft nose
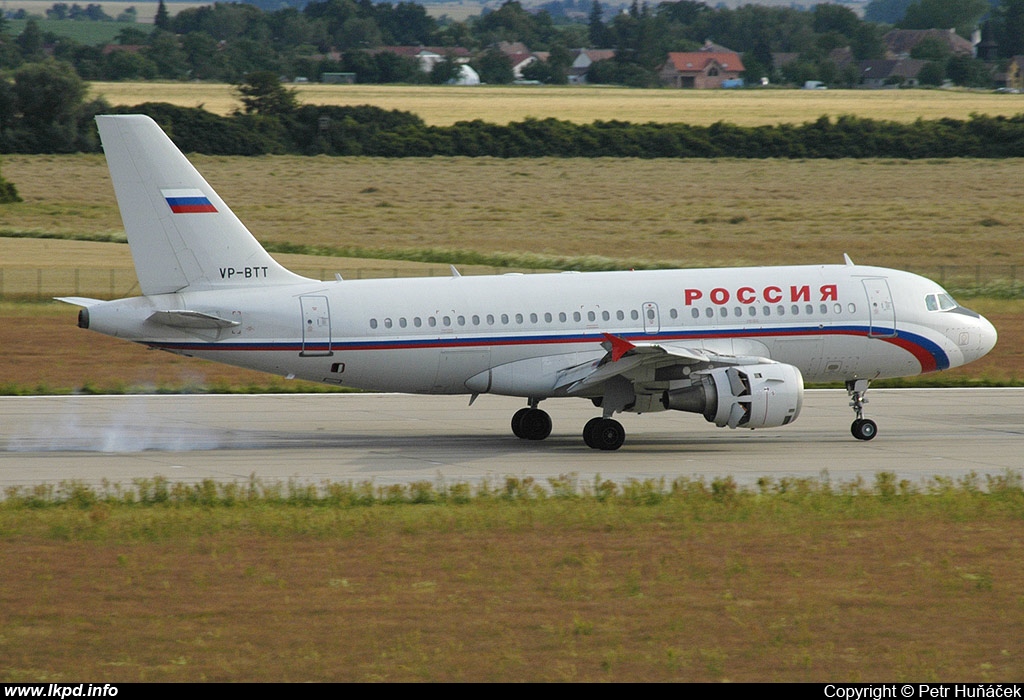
[[988, 336], [985, 339]]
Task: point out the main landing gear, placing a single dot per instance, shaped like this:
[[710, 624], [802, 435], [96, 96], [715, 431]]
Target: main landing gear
[[604, 434], [532, 423], [862, 428]]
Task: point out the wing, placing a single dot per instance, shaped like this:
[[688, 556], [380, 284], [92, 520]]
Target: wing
[[729, 390], [649, 367]]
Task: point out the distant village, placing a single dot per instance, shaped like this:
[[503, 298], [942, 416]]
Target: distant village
[[683, 45]]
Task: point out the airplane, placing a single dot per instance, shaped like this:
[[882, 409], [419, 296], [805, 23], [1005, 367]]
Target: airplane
[[734, 345]]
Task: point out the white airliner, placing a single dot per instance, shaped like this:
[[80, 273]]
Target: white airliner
[[734, 345]]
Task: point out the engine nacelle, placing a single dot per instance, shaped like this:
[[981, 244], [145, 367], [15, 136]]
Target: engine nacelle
[[745, 396]]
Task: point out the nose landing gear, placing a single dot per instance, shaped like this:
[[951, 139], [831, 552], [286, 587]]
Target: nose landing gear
[[862, 428]]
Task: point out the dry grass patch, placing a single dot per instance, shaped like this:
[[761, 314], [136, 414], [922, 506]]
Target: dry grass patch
[[689, 213]]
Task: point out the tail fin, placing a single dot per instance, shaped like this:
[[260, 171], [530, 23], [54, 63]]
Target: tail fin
[[181, 233]]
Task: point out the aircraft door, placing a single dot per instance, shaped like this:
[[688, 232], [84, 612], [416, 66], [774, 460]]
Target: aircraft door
[[316, 327], [652, 322], [881, 310]]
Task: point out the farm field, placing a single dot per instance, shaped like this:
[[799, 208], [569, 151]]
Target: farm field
[[445, 105], [681, 213]]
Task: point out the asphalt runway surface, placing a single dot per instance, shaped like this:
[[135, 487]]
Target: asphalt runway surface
[[391, 438]]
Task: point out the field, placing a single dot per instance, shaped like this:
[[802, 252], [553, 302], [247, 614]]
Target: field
[[794, 583], [446, 105], [145, 11]]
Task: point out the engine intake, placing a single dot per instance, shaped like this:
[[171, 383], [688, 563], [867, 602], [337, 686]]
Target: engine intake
[[750, 396]]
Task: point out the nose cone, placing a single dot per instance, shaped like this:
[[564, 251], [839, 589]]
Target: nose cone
[[983, 339], [988, 336]]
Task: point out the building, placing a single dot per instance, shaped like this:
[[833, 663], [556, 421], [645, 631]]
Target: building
[[700, 70]]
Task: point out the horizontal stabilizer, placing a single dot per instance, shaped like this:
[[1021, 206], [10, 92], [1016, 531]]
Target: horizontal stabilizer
[[190, 319], [80, 301]]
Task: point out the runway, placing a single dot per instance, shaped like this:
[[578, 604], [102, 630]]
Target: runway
[[391, 438]]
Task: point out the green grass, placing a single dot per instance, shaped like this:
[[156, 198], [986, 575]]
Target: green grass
[[721, 498], [88, 33]]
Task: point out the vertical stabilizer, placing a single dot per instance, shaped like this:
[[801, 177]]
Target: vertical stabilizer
[[181, 233]]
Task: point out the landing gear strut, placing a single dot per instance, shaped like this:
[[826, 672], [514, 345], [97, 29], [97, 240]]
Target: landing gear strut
[[531, 423], [862, 428]]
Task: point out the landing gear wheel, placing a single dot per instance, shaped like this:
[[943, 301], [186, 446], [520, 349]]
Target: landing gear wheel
[[531, 424], [864, 429], [590, 430], [604, 434]]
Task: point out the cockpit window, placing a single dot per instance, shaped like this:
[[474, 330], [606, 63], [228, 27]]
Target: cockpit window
[[940, 302]]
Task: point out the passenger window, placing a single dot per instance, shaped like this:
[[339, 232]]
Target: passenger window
[[533, 318], [519, 319], [504, 319], [622, 316], [431, 321], [402, 322], [373, 323]]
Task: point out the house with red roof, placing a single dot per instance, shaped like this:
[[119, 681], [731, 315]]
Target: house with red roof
[[700, 70]]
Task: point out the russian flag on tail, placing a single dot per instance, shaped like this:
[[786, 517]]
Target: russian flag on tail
[[188, 202]]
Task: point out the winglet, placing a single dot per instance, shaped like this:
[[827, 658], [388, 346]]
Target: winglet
[[616, 346], [847, 259]]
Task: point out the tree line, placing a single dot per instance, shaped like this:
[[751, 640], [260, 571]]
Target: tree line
[[372, 131], [226, 41]]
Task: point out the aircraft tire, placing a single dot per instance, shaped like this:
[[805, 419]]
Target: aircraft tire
[[607, 434], [517, 422], [533, 424], [590, 432], [864, 429]]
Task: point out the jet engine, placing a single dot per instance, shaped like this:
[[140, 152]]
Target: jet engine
[[746, 396]]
